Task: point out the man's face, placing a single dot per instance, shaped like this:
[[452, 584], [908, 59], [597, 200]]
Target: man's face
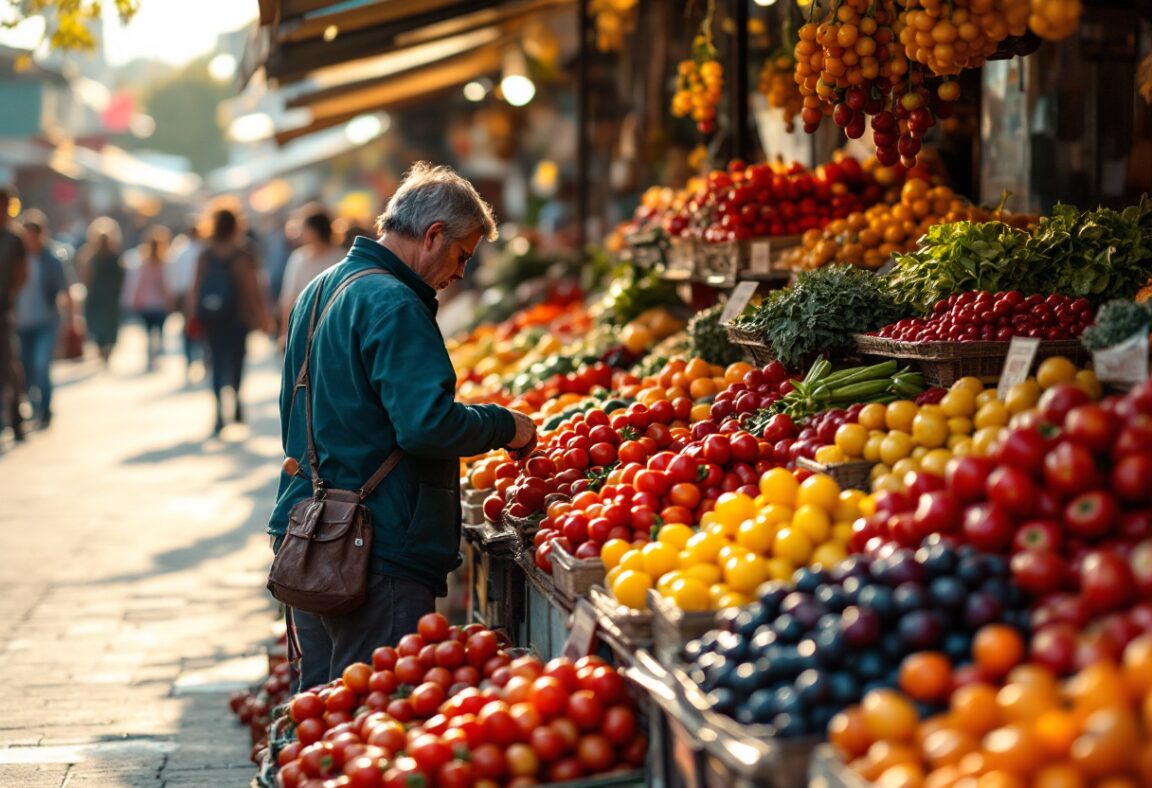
[[443, 261]]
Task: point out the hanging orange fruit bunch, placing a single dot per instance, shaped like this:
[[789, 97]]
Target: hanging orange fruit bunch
[[700, 80]]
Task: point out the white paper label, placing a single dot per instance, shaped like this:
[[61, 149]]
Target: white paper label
[[1021, 353], [1123, 363], [583, 632], [741, 294], [761, 257]]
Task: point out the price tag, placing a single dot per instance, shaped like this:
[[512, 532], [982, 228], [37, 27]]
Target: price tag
[[741, 294], [761, 257], [583, 633], [1124, 363], [1021, 353]]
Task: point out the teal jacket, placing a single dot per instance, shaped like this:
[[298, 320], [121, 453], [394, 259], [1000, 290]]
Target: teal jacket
[[382, 378]]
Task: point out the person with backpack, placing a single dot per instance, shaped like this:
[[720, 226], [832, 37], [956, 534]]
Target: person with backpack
[[373, 432], [227, 302]]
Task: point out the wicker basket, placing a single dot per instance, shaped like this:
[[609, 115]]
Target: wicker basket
[[754, 349], [672, 627], [633, 626], [575, 576], [943, 363], [855, 475]]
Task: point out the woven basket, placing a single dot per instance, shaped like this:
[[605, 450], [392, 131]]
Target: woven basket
[[943, 363], [672, 627], [855, 475], [754, 349], [575, 576]]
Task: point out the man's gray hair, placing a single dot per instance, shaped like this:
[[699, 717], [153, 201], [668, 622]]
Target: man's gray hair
[[430, 194]]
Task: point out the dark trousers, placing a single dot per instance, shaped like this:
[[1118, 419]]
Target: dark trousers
[[154, 320], [227, 346], [331, 643]]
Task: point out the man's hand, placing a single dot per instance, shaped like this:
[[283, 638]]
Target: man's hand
[[524, 441]]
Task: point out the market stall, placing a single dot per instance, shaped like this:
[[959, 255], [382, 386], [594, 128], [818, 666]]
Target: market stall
[[843, 477]]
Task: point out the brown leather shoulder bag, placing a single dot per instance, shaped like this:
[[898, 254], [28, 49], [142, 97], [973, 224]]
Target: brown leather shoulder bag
[[322, 564]]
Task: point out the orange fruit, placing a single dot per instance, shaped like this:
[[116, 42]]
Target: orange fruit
[[1014, 749], [926, 675], [848, 733], [974, 708], [735, 372], [1025, 702], [1138, 666], [1059, 775], [1108, 744], [883, 755], [1000, 779], [1057, 730], [889, 715], [948, 747], [1098, 686], [902, 775], [997, 648], [1030, 673]]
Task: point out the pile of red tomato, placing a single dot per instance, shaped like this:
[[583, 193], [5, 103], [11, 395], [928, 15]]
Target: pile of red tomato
[[449, 706]]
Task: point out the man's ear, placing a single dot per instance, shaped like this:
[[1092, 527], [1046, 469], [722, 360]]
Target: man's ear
[[434, 231]]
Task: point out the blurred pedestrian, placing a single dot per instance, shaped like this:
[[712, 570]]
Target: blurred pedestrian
[[151, 299], [227, 300], [184, 253], [316, 254], [38, 310], [100, 265], [13, 274]]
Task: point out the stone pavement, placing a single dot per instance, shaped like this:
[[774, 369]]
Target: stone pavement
[[132, 561]]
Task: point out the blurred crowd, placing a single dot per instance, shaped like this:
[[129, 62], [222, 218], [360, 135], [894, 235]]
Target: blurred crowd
[[65, 296]]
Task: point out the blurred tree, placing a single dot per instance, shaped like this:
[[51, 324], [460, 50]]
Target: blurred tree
[[68, 24], [185, 108]]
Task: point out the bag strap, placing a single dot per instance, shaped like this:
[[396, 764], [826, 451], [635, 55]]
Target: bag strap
[[304, 381]]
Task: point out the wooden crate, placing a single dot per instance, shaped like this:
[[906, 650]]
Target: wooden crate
[[855, 475], [495, 590], [632, 627], [472, 513], [672, 627], [575, 577], [826, 770], [943, 363]]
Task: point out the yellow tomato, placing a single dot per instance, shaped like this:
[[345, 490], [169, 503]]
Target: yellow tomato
[[873, 416], [664, 582], [793, 546], [610, 577], [702, 548], [734, 599], [984, 397], [731, 550], [691, 595], [851, 438], [842, 531], [612, 551], [935, 461], [960, 425], [659, 558], [746, 572], [779, 486], [959, 402], [756, 536], [675, 534], [718, 591], [1022, 396], [813, 522], [774, 515], [632, 559], [888, 481], [896, 445], [705, 573], [878, 470], [830, 455], [900, 415], [929, 430], [819, 490], [961, 447], [901, 467], [780, 569], [983, 441], [871, 451], [1086, 379], [734, 508], [992, 414], [829, 554], [631, 589], [1055, 370], [848, 507], [973, 384]]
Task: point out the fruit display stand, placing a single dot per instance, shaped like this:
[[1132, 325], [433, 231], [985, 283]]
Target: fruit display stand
[[631, 628], [673, 627], [496, 591], [544, 625], [575, 577], [943, 363], [722, 264]]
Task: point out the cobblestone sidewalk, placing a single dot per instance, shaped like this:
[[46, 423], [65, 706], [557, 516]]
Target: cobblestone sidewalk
[[132, 560]]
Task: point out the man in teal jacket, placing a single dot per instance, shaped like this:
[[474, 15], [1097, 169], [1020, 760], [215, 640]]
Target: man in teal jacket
[[381, 380]]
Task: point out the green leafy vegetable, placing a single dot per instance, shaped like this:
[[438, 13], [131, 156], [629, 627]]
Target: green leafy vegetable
[[820, 313], [710, 339], [1115, 322]]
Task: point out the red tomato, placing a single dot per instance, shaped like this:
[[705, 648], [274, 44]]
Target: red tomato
[[529, 667], [619, 725], [481, 647], [384, 681], [636, 753], [566, 770], [456, 774], [563, 669], [364, 772], [466, 674], [389, 735], [401, 710], [427, 656], [426, 698], [499, 727], [341, 699], [585, 709], [384, 658], [595, 753], [433, 627], [522, 761], [306, 705], [685, 494], [410, 645], [607, 684], [450, 654], [430, 753], [441, 676], [677, 514], [409, 670], [489, 762], [548, 743], [527, 716]]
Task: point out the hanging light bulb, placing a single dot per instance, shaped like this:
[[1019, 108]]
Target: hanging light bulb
[[516, 86]]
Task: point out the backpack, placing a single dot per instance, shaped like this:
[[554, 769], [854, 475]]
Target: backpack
[[217, 298]]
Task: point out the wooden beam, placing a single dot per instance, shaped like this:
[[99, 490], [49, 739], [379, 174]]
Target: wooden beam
[[284, 136], [291, 9], [359, 17], [294, 62], [269, 12]]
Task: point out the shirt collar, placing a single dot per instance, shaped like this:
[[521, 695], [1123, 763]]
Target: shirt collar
[[371, 250]]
